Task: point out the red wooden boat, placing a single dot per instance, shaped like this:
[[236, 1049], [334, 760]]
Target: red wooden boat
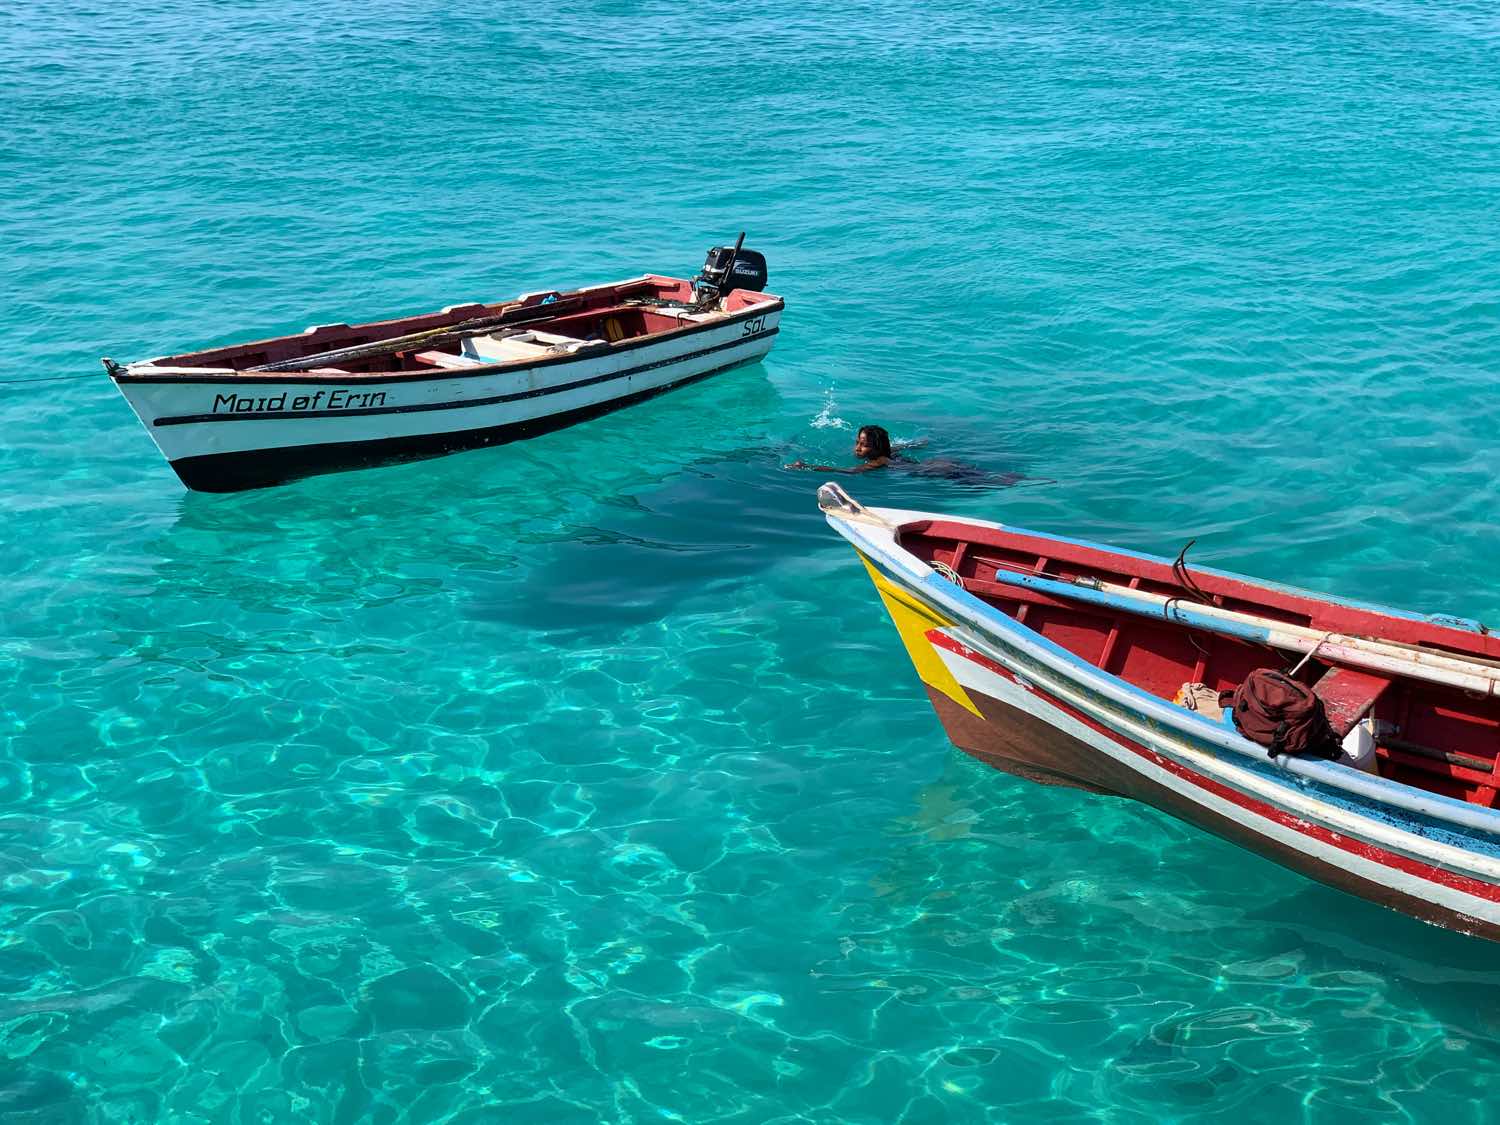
[[1065, 662]]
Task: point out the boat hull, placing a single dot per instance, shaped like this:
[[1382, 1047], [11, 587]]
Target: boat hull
[[228, 432], [1027, 707], [1016, 739]]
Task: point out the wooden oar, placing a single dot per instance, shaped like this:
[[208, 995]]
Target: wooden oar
[[1396, 649], [1360, 652], [514, 315], [382, 347], [1467, 761]]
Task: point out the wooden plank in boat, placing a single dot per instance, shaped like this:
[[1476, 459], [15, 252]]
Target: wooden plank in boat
[[1348, 694]]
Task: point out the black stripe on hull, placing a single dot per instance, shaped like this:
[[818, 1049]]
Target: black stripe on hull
[[467, 404], [261, 468]]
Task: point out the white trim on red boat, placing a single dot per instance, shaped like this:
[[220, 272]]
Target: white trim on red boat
[[1421, 852]]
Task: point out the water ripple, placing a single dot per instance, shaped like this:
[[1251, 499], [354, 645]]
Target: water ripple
[[507, 784]]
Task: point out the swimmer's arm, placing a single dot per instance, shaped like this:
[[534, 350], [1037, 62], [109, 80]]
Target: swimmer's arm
[[818, 468], [879, 463]]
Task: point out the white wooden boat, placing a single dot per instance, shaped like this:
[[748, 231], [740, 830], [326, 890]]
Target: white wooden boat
[[1066, 662], [342, 396]]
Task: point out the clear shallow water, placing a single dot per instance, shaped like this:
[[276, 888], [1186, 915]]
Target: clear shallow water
[[583, 778]]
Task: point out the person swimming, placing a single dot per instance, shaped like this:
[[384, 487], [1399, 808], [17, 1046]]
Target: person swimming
[[872, 445]]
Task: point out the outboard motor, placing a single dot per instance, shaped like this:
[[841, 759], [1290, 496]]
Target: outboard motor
[[730, 267]]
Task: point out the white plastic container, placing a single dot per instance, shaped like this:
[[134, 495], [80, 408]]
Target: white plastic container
[[1359, 746]]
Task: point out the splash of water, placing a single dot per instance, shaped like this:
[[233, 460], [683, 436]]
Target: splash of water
[[827, 418]]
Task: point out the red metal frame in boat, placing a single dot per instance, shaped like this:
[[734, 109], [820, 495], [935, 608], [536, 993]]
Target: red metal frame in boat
[[1159, 656]]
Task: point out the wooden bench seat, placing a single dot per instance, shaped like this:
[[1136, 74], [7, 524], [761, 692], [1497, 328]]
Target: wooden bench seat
[[443, 359], [1348, 694]]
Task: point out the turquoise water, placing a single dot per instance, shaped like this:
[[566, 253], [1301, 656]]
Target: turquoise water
[[583, 779]]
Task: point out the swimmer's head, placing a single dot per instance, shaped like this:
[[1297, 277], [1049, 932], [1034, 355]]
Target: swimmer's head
[[872, 442]]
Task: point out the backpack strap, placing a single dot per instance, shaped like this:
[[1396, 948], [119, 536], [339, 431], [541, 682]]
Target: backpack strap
[[1277, 741]]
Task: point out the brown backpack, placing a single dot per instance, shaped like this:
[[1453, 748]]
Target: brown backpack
[[1281, 714]]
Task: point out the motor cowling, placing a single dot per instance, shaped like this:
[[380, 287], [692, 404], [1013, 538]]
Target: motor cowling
[[747, 270]]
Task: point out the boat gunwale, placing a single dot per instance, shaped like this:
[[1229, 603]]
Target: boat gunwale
[[145, 371], [465, 404], [978, 615], [1438, 841], [1466, 629]]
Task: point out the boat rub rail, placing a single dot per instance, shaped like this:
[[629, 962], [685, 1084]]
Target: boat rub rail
[[745, 308], [309, 409]]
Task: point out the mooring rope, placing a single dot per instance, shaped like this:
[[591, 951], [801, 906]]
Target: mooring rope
[[1312, 652], [949, 573], [49, 379]]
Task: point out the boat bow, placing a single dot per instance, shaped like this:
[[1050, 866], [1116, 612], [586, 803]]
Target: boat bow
[[1032, 706]]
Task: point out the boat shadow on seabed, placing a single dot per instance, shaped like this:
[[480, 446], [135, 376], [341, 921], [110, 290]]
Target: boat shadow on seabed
[[532, 533]]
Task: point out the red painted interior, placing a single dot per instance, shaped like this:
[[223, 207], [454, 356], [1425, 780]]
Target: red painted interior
[[1435, 738], [580, 316]]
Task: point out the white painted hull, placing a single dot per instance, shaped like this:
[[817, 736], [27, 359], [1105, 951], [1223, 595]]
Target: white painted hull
[[226, 431]]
